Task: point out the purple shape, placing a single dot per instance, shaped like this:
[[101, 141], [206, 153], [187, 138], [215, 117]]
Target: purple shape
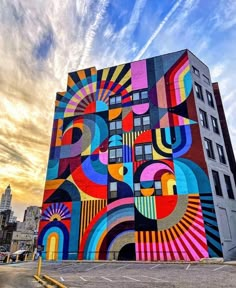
[[139, 75]]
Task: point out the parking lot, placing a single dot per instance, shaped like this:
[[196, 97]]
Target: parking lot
[[131, 274]]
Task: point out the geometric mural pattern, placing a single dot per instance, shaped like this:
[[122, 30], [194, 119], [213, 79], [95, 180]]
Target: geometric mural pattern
[[126, 174]]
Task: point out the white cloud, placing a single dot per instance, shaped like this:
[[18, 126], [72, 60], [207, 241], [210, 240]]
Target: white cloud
[[158, 29]]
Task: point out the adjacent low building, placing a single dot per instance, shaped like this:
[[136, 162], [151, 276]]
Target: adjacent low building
[[25, 236], [138, 167]]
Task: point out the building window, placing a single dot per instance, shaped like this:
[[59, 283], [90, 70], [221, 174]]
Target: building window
[[115, 101], [215, 125], [143, 152], [115, 155], [210, 99], [206, 79], [113, 189], [157, 185], [115, 127], [142, 122], [221, 154], [217, 185], [209, 148], [203, 118], [137, 189], [229, 187], [196, 71], [140, 97], [198, 90]]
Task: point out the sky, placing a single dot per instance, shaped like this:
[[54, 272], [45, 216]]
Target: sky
[[42, 41]]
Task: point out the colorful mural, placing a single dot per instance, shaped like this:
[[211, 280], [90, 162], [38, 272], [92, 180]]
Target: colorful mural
[[126, 174]]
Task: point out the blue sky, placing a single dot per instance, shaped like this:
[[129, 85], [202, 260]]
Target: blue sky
[[41, 41]]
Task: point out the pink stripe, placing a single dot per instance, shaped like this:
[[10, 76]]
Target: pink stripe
[[183, 252], [142, 251], [160, 251], [73, 102], [154, 249], [200, 247], [84, 92], [177, 83], [90, 86], [190, 248], [148, 251], [168, 254], [137, 251], [129, 200], [174, 250], [69, 110]]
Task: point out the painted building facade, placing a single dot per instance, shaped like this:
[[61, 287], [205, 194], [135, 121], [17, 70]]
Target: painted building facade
[[127, 174]]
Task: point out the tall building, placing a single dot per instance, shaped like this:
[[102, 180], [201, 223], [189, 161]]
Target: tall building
[[6, 203], [6, 199], [138, 167]]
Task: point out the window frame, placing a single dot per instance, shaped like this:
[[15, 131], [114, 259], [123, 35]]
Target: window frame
[[203, 118], [116, 104], [144, 155], [196, 71], [217, 184], [113, 191], [158, 190], [206, 79], [137, 192], [140, 99], [210, 99], [198, 91], [116, 159], [116, 130], [215, 128], [229, 188], [142, 127], [210, 151], [221, 153]]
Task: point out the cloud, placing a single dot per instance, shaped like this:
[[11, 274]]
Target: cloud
[[158, 29], [225, 15]]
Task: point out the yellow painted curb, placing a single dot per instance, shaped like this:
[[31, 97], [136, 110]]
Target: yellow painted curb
[[54, 282], [42, 282]]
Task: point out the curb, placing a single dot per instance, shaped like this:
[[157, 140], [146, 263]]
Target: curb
[[54, 282], [42, 282]]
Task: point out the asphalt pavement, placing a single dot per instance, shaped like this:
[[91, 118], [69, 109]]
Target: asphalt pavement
[[121, 274], [137, 275]]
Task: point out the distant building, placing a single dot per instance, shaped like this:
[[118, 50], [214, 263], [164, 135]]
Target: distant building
[[25, 236], [138, 167], [6, 199], [6, 228], [6, 203]]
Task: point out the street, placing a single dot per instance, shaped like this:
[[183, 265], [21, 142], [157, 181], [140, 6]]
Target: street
[[18, 275], [121, 274], [139, 275]]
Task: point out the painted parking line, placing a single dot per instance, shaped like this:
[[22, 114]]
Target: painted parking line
[[157, 279], [131, 278], [91, 268], [154, 266], [82, 278], [122, 267], [188, 267], [107, 279], [219, 268]]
